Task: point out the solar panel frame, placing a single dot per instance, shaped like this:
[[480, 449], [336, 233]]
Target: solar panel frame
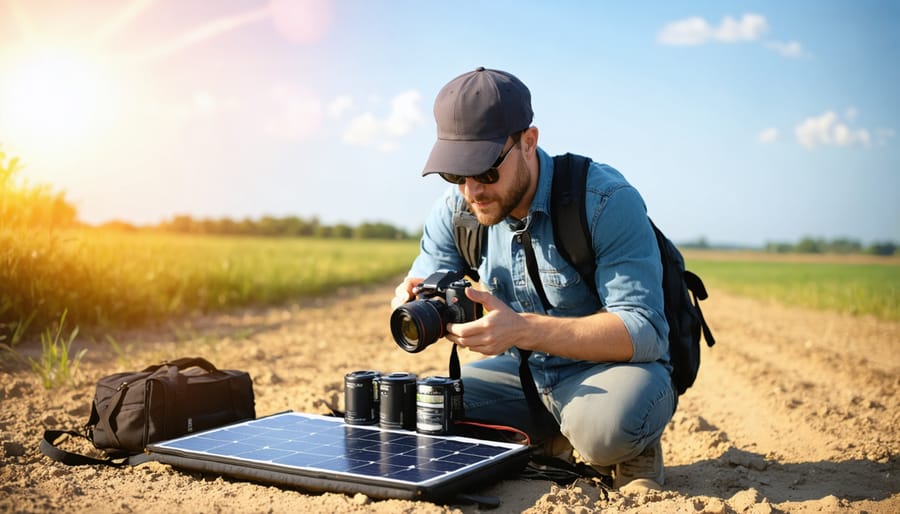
[[322, 453]]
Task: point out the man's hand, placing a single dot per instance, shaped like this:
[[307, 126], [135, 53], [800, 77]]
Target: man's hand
[[404, 291], [498, 330]]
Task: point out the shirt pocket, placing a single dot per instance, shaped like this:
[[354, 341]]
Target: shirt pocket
[[567, 292]]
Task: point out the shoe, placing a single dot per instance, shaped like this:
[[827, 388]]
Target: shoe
[[642, 473], [557, 447]]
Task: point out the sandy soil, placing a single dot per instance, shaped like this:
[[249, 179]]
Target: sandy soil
[[794, 411]]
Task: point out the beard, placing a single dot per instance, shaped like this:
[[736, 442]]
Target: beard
[[501, 203]]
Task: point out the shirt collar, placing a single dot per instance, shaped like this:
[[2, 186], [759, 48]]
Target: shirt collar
[[541, 200]]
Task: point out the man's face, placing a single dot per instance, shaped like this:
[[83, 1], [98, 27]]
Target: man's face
[[492, 203]]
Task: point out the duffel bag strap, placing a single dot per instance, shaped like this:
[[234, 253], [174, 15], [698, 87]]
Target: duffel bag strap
[[184, 363], [103, 418], [189, 362], [49, 448]]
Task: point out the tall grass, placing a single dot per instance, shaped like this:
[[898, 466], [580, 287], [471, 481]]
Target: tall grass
[[107, 279], [56, 366], [856, 288]]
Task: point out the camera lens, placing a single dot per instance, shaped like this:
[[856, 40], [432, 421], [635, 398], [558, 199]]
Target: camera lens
[[417, 324], [408, 328]]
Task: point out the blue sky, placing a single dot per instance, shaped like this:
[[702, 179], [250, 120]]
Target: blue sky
[[739, 122]]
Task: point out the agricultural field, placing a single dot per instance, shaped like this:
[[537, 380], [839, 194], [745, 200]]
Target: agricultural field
[[110, 279], [847, 284], [795, 409], [116, 279]]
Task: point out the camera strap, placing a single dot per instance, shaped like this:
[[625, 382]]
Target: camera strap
[[455, 371], [535, 406], [523, 237]]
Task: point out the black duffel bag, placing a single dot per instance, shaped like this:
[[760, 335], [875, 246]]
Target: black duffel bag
[[133, 409]]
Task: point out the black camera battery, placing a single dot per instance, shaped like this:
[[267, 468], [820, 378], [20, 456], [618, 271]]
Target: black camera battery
[[398, 401], [361, 397], [439, 402]]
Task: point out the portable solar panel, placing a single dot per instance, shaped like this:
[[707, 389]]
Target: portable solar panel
[[320, 453]]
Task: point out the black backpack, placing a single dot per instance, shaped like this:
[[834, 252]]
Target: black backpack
[[682, 289]]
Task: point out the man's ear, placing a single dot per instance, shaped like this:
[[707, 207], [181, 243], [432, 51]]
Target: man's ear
[[529, 140]]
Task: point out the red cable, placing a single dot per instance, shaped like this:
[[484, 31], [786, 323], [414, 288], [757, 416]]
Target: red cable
[[501, 428]]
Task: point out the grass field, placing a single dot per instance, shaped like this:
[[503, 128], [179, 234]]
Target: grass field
[[111, 279], [105, 279], [852, 284]]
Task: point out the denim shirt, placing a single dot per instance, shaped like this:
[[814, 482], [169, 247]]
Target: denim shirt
[[629, 272]]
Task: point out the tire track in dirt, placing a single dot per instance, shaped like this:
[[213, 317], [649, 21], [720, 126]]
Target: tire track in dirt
[[812, 378], [788, 407]]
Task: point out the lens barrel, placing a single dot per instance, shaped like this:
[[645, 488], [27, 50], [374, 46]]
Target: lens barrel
[[419, 323], [361, 397], [398, 401], [439, 402]]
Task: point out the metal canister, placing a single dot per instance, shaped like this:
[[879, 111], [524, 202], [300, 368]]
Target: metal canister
[[361, 397], [398, 400], [439, 402]]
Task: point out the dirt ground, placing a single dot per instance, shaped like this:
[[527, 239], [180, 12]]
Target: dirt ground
[[793, 411]]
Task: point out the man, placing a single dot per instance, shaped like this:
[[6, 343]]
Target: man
[[602, 371]]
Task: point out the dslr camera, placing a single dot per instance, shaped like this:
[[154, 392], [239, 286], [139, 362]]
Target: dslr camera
[[440, 299]]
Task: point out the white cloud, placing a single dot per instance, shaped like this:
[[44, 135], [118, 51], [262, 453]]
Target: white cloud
[[883, 135], [367, 130], [298, 113], [362, 130], [339, 106], [827, 129], [787, 49], [697, 31], [769, 135], [405, 113], [690, 31], [750, 28]]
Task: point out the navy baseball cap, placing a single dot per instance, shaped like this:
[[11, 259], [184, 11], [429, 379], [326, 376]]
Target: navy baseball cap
[[475, 113]]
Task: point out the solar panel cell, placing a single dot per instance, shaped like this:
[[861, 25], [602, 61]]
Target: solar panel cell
[[324, 453]]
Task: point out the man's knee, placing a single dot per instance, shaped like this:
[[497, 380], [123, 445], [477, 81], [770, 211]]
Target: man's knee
[[602, 442], [616, 433]]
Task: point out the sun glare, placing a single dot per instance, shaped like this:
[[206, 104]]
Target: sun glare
[[53, 97]]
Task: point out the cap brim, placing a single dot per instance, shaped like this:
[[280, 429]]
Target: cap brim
[[465, 158]]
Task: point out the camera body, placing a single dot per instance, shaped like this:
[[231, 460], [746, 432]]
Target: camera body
[[440, 299]]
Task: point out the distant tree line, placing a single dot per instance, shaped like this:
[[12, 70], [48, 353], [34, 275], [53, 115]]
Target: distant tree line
[[270, 226], [25, 206], [840, 245]]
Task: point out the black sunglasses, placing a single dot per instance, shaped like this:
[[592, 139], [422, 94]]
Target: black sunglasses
[[490, 176]]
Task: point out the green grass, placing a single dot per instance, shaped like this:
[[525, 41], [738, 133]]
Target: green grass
[[852, 287], [56, 366], [105, 279], [110, 279]]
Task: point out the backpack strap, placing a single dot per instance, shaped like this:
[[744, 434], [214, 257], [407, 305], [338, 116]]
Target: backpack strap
[[698, 291], [568, 213], [469, 236]]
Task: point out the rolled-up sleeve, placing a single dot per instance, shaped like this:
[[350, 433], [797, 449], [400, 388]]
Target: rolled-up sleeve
[[629, 272], [437, 249]]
